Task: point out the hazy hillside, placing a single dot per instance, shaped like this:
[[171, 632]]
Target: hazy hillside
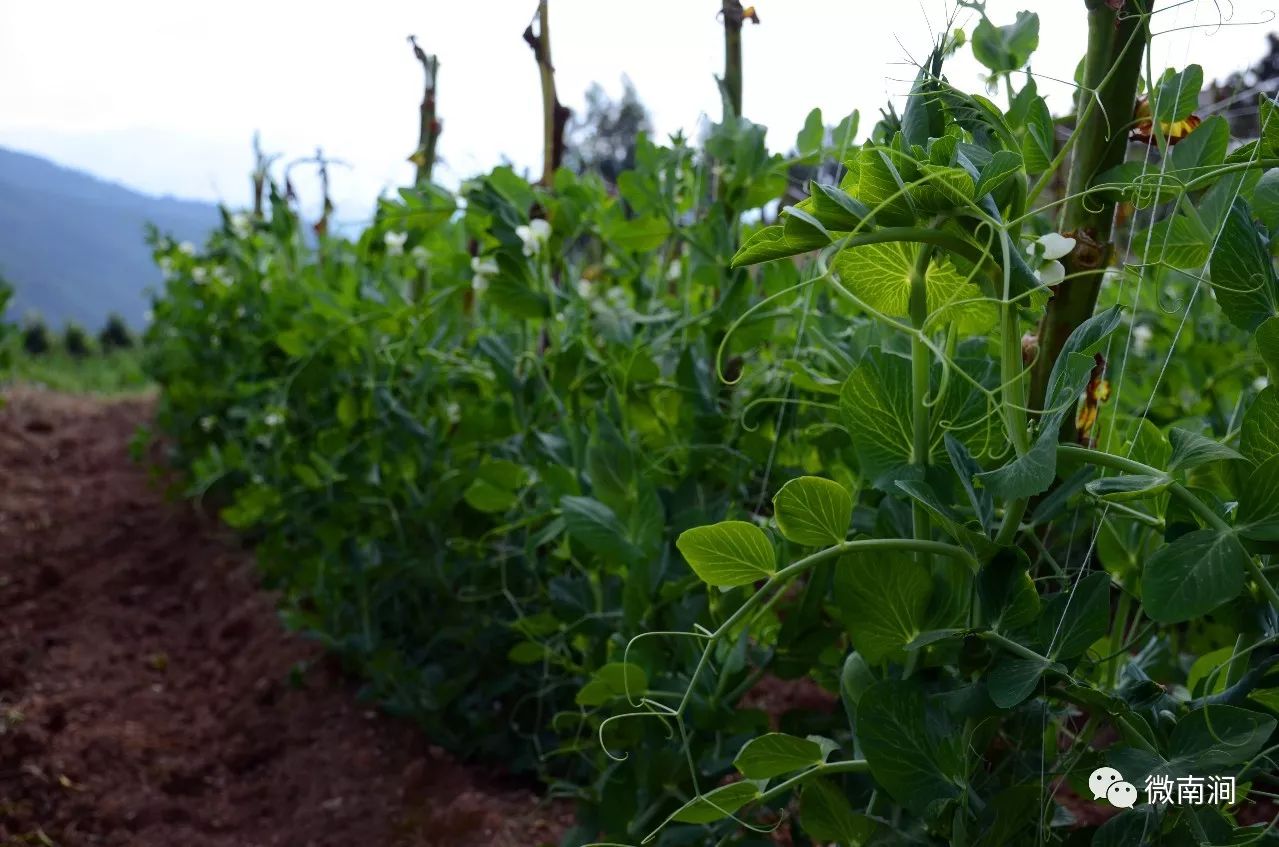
[[73, 246]]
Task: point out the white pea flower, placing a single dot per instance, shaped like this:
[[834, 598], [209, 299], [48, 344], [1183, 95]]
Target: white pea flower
[[186, 248], [207, 422], [148, 316], [1051, 273], [534, 235], [585, 289], [240, 311], [674, 272], [483, 268], [266, 284], [453, 412], [241, 225], [1055, 245], [420, 256], [166, 266], [273, 419], [1259, 383], [1141, 335], [198, 275], [222, 276], [394, 242], [617, 296]]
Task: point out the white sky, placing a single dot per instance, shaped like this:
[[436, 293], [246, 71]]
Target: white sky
[[164, 96]]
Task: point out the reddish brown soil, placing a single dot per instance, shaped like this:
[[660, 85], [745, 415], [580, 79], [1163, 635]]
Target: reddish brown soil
[[145, 694]]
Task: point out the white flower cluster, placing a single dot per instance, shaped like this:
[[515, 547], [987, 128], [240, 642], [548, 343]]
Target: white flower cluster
[[536, 234], [1049, 248], [394, 242], [483, 268]]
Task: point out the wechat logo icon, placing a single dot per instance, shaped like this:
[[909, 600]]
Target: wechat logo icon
[[1108, 784]]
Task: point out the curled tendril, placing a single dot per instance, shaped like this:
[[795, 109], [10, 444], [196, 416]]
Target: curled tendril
[[781, 401]]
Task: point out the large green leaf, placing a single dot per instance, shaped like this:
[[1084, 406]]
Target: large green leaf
[[1190, 450], [813, 511], [1259, 435], [1259, 503], [776, 753], [1006, 48], [880, 275], [910, 749], [597, 528], [1193, 575], [882, 599], [1072, 620], [826, 815], [1176, 94], [876, 403], [717, 804], [1241, 271], [772, 242], [728, 554]]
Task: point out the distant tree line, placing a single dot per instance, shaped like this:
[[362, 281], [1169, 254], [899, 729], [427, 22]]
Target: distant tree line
[[39, 340]]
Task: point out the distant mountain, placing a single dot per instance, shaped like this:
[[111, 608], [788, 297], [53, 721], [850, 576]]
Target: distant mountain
[[73, 246]]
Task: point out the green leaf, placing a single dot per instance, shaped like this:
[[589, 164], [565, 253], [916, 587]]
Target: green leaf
[[1190, 450], [1006, 48], [526, 653], [1210, 667], [876, 405], [911, 751], [1241, 271], [1200, 151], [1118, 489], [496, 486], [728, 554], [772, 242], [882, 599], [1072, 620], [1214, 737], [1039, 140], [1259, 503], [1013, 678], [1033, 473], [1177, 94], [967, 468], [1001, 167], [835, 208], [880, 275], [1268, 345], [1265, 200], [1259, 436], [597, 528], [882, 177], [809, 141], [775, 754], [615, 679], [826, 815], [717, 804], [813, 511], [639, 235], [1267, 698], [975, 542], [1193, 575], [1179, 241]]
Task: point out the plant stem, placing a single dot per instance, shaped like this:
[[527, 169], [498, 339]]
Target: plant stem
[[1112, 67], [732, 11], [920, 372], [554, 114], [428, 134]]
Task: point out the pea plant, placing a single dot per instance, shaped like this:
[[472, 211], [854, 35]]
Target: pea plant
[[1038, 538]]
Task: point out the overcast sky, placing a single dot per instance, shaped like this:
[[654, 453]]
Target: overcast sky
[[164, 96]]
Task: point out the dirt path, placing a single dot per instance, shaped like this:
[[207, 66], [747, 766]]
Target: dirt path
[[145, 688]]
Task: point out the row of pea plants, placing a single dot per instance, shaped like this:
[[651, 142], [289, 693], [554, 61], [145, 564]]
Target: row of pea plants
[[977, 437]]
